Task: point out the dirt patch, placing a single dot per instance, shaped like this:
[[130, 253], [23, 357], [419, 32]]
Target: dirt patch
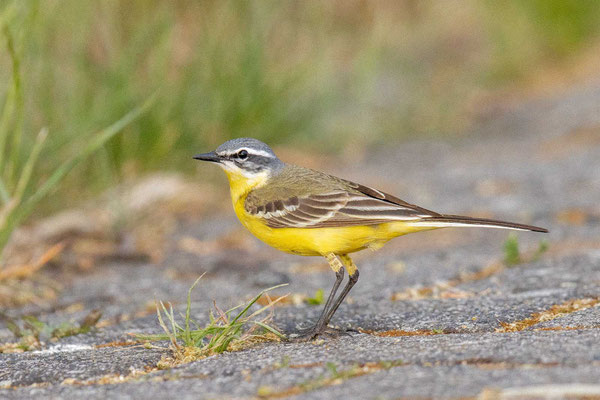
[[335, 378], [553, 312], [447, 289]]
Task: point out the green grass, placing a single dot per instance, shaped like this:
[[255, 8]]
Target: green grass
[[227, 330], [513, 255], [331, 76], [21, 190], [317, 299], [32, 332]]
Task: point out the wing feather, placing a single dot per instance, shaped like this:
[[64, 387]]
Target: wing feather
[[360, 205]]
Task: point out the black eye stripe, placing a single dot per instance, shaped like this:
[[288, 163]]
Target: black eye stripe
[[253, 162]]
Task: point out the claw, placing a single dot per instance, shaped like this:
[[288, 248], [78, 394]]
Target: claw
[[306, 335]]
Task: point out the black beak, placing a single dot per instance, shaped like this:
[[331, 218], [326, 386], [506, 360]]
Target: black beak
[[212, 156]]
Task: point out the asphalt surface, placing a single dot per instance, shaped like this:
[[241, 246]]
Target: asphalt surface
[[436, 314]]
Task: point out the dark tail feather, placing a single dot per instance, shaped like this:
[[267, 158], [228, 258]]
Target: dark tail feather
[[458, 220]]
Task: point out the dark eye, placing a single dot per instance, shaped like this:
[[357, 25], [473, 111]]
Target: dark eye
[[242, 154]]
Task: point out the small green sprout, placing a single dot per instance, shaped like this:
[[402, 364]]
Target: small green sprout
[[512, 255], [317, 299], [542, 248], [284, 363], [332, 368], [32, 332]]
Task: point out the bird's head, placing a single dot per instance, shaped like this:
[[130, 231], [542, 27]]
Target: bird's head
[[244, 159]]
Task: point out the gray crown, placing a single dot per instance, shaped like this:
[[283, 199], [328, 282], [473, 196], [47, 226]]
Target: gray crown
[[231, 146]]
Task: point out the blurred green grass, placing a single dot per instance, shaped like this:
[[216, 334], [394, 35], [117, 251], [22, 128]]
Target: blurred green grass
[[319, 75]]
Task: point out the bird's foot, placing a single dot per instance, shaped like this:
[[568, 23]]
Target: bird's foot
[[312, 333]]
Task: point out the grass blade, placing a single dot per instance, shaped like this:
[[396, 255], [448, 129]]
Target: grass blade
[[188, 308], [161, 322], [4, 196], [19, 212], [10, 103], [171, 318], [97, 142], [17, 109], [269, 328], [254, 300], [25, 175], [273, 302]]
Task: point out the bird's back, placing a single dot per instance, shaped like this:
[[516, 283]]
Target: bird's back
[[296, 181]]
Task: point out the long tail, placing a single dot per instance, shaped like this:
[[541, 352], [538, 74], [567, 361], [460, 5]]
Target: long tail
[[444, 221]]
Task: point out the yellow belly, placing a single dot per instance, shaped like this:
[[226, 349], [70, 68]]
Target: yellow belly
[[320, 241]]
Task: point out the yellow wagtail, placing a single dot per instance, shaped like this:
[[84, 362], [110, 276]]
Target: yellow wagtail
[[310, 213]]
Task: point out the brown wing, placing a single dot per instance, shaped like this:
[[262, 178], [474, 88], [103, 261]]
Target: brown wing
[[379, 195], [359, 205]]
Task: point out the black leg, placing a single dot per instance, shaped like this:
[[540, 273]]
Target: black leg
[[321, 326], [352, 279], [339, 277]]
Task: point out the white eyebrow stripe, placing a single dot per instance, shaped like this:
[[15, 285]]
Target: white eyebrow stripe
[[250, 151], [259, 153]]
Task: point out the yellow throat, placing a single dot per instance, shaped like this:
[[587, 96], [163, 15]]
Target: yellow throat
[[240, 185]]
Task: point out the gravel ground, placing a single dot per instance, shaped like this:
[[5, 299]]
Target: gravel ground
[[436, 314]]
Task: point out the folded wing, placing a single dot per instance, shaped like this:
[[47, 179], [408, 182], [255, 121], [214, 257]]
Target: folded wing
[[360, 205]]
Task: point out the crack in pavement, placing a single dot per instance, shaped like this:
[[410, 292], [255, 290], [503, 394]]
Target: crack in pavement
[[556, 311]]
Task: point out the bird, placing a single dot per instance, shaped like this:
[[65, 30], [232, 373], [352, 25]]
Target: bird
[[310, 213]]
